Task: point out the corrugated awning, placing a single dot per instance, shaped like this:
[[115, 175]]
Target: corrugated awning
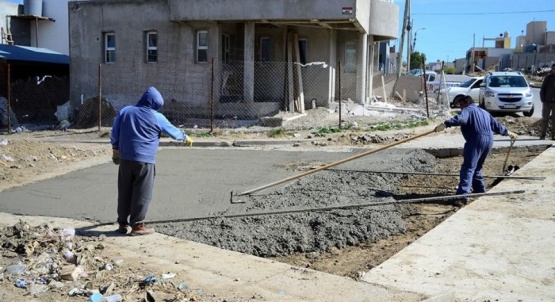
[[31, 54]]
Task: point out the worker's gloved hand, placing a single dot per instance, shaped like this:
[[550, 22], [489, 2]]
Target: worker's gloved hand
[[115, 156], [512, 135], [188, 141], [440, 127]]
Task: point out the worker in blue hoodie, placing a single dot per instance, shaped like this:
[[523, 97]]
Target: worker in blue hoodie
[[135, 137], [477, 127]]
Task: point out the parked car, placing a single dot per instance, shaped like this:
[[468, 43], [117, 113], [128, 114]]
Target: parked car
[[469, 87], [506, 92]]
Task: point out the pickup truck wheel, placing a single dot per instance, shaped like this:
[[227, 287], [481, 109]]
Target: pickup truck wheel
[[482, 104]]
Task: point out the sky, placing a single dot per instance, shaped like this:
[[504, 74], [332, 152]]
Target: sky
[[452, 26]]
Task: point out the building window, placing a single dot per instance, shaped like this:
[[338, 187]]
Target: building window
[[109, 48], [265, 49], [202, 46], [225, 48], [151, 47], [302, 50], [350, 57]]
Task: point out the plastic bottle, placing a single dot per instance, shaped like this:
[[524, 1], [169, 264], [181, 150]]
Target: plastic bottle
[[112, 298]]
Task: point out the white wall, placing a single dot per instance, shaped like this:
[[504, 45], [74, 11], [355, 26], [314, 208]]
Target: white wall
[[53, 35]]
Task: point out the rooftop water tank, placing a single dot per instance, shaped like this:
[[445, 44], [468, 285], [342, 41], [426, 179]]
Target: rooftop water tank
[[32, 7]]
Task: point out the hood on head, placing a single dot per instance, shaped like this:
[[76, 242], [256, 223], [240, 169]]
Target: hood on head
[[151, 99]]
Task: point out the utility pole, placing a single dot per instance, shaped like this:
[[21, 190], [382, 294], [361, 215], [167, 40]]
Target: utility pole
[[409, 38], [473, 51], [400, 56]]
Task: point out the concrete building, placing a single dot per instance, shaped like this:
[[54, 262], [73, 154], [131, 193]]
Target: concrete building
[[535, 32], [256, 47], [36, 23]]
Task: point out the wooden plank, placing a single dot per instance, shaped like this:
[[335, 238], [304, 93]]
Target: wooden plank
[[290, 80]]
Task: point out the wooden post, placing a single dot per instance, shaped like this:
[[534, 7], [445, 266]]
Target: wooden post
[[9, 101], [425, 88], [290, 80], [299, 72], [384, 91]]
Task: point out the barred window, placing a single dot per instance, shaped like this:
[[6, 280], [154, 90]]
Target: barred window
[[151, 47], [202, 46], [109, 48]]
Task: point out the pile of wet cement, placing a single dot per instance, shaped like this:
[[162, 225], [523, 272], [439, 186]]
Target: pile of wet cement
[[312, 231]]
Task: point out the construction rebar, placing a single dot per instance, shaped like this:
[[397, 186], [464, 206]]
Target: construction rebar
[[342, 207], [439, 174]]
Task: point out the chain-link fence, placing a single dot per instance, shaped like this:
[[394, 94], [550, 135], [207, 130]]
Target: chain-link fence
[[204, 95]]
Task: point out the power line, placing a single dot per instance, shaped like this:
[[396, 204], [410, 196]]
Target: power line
[[484, 13]]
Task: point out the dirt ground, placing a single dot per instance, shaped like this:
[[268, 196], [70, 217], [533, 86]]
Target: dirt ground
[[29, 157]]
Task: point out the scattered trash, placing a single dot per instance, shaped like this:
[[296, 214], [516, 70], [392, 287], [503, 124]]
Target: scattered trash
[[167, 276], [112, 298], [150, 279], [16, 269], [7, 158], [95, 298], [56, 264], [182, 286], [67, 234], [4, 142], [21, 283]]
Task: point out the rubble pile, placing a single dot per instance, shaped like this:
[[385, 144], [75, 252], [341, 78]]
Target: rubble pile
[[51, 264]]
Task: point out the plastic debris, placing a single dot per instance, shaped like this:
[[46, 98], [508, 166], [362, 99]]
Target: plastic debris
[[21, 283], [150, 279], [167, 276], [16, 269], [112, 298], [96, 297]]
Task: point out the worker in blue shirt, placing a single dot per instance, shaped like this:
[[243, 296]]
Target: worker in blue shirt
[[477, 127], [135, 138]]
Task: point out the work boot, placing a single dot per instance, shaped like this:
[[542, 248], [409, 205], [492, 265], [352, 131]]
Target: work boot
[[141, 229], [459, 202], [123, 228], [542, 137]]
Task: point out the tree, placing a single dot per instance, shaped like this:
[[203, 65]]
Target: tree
[[449, 70], [416, 60]]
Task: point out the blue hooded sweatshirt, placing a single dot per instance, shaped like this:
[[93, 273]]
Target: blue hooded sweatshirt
[[474, 122], [137, 129]]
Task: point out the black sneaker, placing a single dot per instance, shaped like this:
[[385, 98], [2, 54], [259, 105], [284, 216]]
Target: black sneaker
[[123, 228]]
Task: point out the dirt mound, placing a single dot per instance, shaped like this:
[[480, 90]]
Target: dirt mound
[[88, 114]]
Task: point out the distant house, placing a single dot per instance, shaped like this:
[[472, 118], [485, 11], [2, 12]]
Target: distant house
[[268, 55]]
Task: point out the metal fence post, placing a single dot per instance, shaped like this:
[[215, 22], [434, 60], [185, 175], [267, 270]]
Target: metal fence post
[[212, 100], [340, 97], [99, 96]]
